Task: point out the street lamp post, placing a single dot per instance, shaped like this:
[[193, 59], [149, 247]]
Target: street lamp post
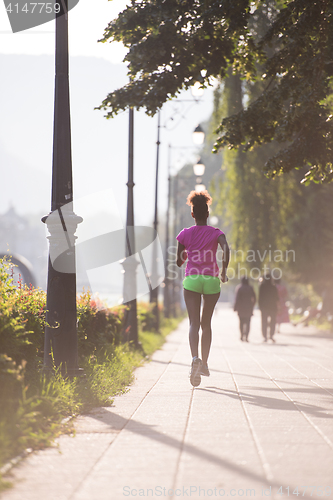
[[130, 263], [175, 286], [166, 263], [154, 291], [178, 184], [61, 317]]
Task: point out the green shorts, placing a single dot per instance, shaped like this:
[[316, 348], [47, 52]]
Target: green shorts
[[201, 283]]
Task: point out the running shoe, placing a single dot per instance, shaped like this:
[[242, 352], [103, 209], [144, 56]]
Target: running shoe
[[195, 377], [205, 371]]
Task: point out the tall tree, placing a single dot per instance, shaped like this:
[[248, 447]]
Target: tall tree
[[266, 215], [278, 222], [175, 43], [293, 108], [254, 208]]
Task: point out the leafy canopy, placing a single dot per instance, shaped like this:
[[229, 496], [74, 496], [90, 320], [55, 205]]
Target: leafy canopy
[[174, 43]]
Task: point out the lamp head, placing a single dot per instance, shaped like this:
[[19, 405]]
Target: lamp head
[[198, 135]]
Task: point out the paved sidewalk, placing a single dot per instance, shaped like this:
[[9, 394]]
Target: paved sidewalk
[[259, 426]]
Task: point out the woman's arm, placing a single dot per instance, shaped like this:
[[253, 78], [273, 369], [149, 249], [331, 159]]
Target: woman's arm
[[181, 254], [226, 256]]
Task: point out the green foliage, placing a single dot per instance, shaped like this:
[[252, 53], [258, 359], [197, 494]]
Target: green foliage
[[97, 327], [291, 107], [310, 231], [151, 342], [22, 319], [278, 215], [32, 413], [11, 377], [25, 418], [284, 44], [107, 374], [145, 312], [170, 43]]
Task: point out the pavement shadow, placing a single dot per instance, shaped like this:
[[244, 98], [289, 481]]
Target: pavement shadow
[[277, 343], [261, 343], [272, 403], [212, 370], [118, 423]]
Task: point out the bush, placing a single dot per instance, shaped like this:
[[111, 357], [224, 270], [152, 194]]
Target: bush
[[146, 318], [22, 319], [97, 328], [11, 377], [25, 418]]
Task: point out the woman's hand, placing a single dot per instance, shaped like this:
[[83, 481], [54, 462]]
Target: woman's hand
[[223, 276]]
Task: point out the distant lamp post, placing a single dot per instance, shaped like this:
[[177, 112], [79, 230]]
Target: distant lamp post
[[200, 187], [130, 263], [198, 135], [167, 308], [154, 273]]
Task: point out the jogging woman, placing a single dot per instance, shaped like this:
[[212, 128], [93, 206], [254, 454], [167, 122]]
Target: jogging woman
[[199, 244]]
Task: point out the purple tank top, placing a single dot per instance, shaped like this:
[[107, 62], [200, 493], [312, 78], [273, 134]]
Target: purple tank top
[[200, 243]]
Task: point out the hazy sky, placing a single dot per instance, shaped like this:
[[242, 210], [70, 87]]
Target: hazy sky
[[99, 146], [86, 27]]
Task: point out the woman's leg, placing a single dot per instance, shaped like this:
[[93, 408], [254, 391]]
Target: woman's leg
[[209, 302], [193, 302]]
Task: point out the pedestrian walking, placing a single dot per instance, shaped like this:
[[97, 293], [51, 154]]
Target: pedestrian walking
[[282, 315], [268, 301], [198, 245], [245, 300]]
